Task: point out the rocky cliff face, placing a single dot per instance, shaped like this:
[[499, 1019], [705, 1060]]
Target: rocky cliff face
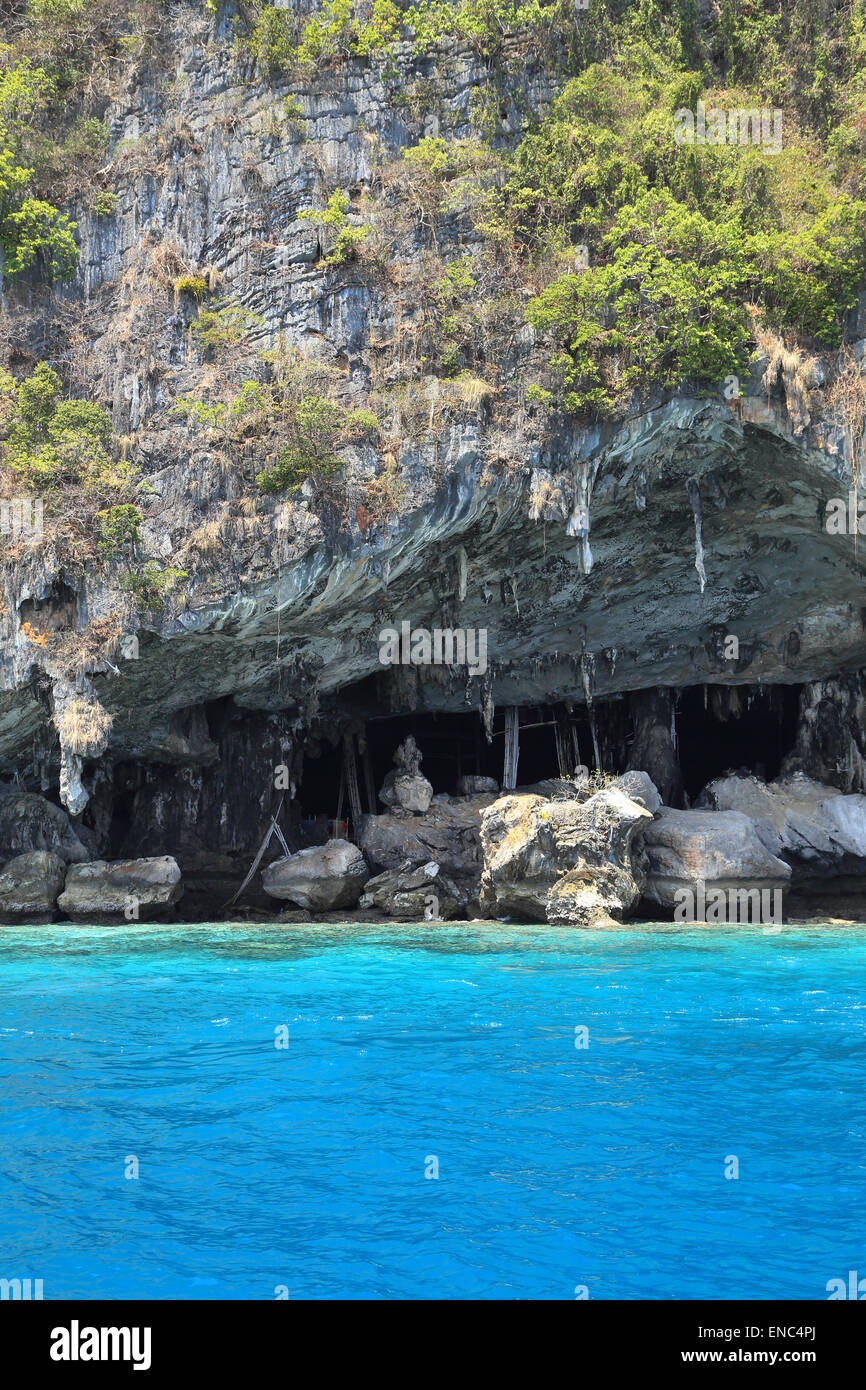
[[682, 545]]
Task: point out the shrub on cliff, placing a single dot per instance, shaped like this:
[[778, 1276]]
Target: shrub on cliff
[[677, 237], [345, 245], [222, 329], [315, 427], [31, 229], [343, 29], [667, 306], [119, 531], [149, 586], [49, 443]]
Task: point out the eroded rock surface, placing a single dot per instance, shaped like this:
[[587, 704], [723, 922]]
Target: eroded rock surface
[[28, 822], [127, 889], [413, 895], [562, 861], [721, 849], [404, 787], [448, 834], [324, 877], [818, 830], [474, 785], [30, 885]]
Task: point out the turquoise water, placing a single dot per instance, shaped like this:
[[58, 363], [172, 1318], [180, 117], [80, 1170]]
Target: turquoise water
[[304, 1166]]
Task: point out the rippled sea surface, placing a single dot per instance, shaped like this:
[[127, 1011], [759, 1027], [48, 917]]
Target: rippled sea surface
[[558, 1166]]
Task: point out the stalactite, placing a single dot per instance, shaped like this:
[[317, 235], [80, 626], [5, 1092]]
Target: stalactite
[[579, 521], [697, 511], [461, 573], [488, 708]]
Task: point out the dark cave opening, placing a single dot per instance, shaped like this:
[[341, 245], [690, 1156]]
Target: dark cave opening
[[319, 791], [728, 728], [718, 729], [123, 818], [55, 611], [451, 745]]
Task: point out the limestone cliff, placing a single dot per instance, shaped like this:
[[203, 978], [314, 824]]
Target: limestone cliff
[[603, 557]]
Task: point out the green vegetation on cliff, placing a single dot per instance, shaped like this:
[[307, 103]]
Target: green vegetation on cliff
[[656, 254], [563, 189], [51, 443]]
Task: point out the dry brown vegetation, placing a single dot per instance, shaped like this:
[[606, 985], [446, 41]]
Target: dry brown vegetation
[[73, 652], [792, 367], [84, 727], [846, 398]]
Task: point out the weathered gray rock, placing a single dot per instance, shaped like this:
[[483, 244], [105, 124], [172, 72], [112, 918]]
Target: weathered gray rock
[[449, 834], [406, 791], [322, 878], [414, 895], [130, 889], [596, 898], [294, 914], [28, 823], [785, 812], [472, 784], [531, 845], [846, 818], [30, 885], [404, 787], [640, 787], [721, 849], [560, 788], [818, 830]]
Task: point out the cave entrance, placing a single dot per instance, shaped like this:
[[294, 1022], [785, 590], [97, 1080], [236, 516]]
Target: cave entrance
[[451, 745], [723, 728], [719, 729], [455, 745]]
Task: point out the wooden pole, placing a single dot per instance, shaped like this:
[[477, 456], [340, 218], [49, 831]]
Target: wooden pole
[[512, 748], [351, 779], [369, 784], [340, 797], [560, 734], [575, 741]]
